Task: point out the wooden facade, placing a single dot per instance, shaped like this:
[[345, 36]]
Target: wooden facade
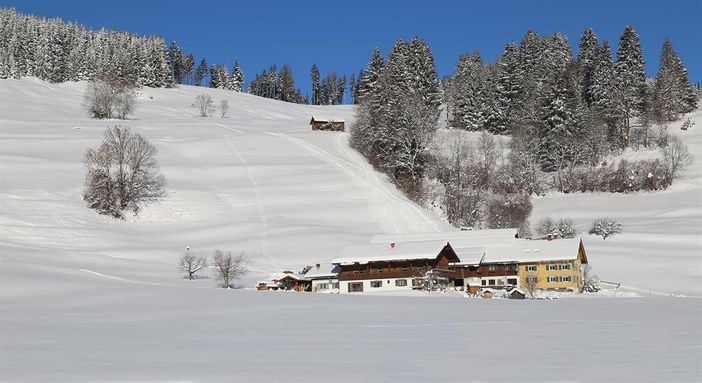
[[327, 124], [289, 282], [384, 269]]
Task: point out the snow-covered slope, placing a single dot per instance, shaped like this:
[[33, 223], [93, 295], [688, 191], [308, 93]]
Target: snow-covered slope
[[84, 297], [257, 181], [660, 250]]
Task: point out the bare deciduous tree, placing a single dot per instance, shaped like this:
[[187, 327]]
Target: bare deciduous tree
[[224, 107], [122, 173], [676, 157], [203, 104], [191, 264], [105, 98], [228, 268], [529, 283]]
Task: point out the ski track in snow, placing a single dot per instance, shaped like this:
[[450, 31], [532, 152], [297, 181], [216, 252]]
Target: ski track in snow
[[118, 278]]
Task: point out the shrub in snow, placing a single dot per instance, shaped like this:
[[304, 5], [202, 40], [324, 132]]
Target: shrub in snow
[[508, 211], [204, 105], [676, 157], [122, 173], [191, 264], [563, 228], [109, 97], [606, 227], [224, 107], [688, 124], [228, 268]]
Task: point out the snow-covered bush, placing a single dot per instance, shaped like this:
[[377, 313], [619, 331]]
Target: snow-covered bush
[[122, 173], [606, 227], [204, 105], [563, 228]]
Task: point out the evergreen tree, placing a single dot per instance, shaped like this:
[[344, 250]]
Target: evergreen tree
[[371, 74], [673, 93], [286, 85], [508, 84], [237, 78], [588, 50], [630, 77], [316, 97], [200, 72]]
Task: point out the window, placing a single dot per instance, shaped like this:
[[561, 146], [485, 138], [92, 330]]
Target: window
[[404, 268], [356, 272], [532, 280], [356, 287], [335, 285], [323, 286], [379, 270], [566, 278], [552, 279], [501, 282], [376, 284], [416, 283], [492, 268], [512, 281], [531, 268], [483, 282], [564, 266], [552, 267], [491, 282], [401, 282]]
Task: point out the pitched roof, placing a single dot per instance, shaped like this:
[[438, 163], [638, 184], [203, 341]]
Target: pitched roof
[[326, 119], [325, 270], [401, 251], [496, 246]]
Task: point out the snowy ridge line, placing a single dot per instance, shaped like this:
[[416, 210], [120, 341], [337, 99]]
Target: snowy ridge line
[[657, 293], [119, 279]]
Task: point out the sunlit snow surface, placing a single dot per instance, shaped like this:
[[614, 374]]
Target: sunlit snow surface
[[87, 298]]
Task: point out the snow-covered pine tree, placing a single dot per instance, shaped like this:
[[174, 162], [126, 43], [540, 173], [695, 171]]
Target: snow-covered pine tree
[[588, 50], [468, 92], [286, 84], [175, 58], [508, 86], [237, 78], [314, 74], [630, 78], [673, 93], [367, 82], [200, 72], [605, 97]]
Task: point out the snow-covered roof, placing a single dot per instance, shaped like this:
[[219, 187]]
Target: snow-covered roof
[[497, 246], [326, 119], [278, 276], [325, 270], [401, 251]]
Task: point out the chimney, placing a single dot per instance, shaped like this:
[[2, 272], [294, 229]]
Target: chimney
[[549, 237], [392, 245], [317, 266]]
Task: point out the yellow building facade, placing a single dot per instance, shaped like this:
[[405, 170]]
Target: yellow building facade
[[565, 274]]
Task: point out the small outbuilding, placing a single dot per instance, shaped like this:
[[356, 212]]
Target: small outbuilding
[[516, 294], [330, 124]]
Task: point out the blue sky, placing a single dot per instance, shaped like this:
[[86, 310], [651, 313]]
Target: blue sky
[[340, 35]]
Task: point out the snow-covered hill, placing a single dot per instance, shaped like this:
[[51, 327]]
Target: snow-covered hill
[[86, 297]]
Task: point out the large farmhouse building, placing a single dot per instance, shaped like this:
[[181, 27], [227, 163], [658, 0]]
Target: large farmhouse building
[[496, 259], [466, 260]]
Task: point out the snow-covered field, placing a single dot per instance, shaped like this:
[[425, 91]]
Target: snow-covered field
[[87, 298]]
